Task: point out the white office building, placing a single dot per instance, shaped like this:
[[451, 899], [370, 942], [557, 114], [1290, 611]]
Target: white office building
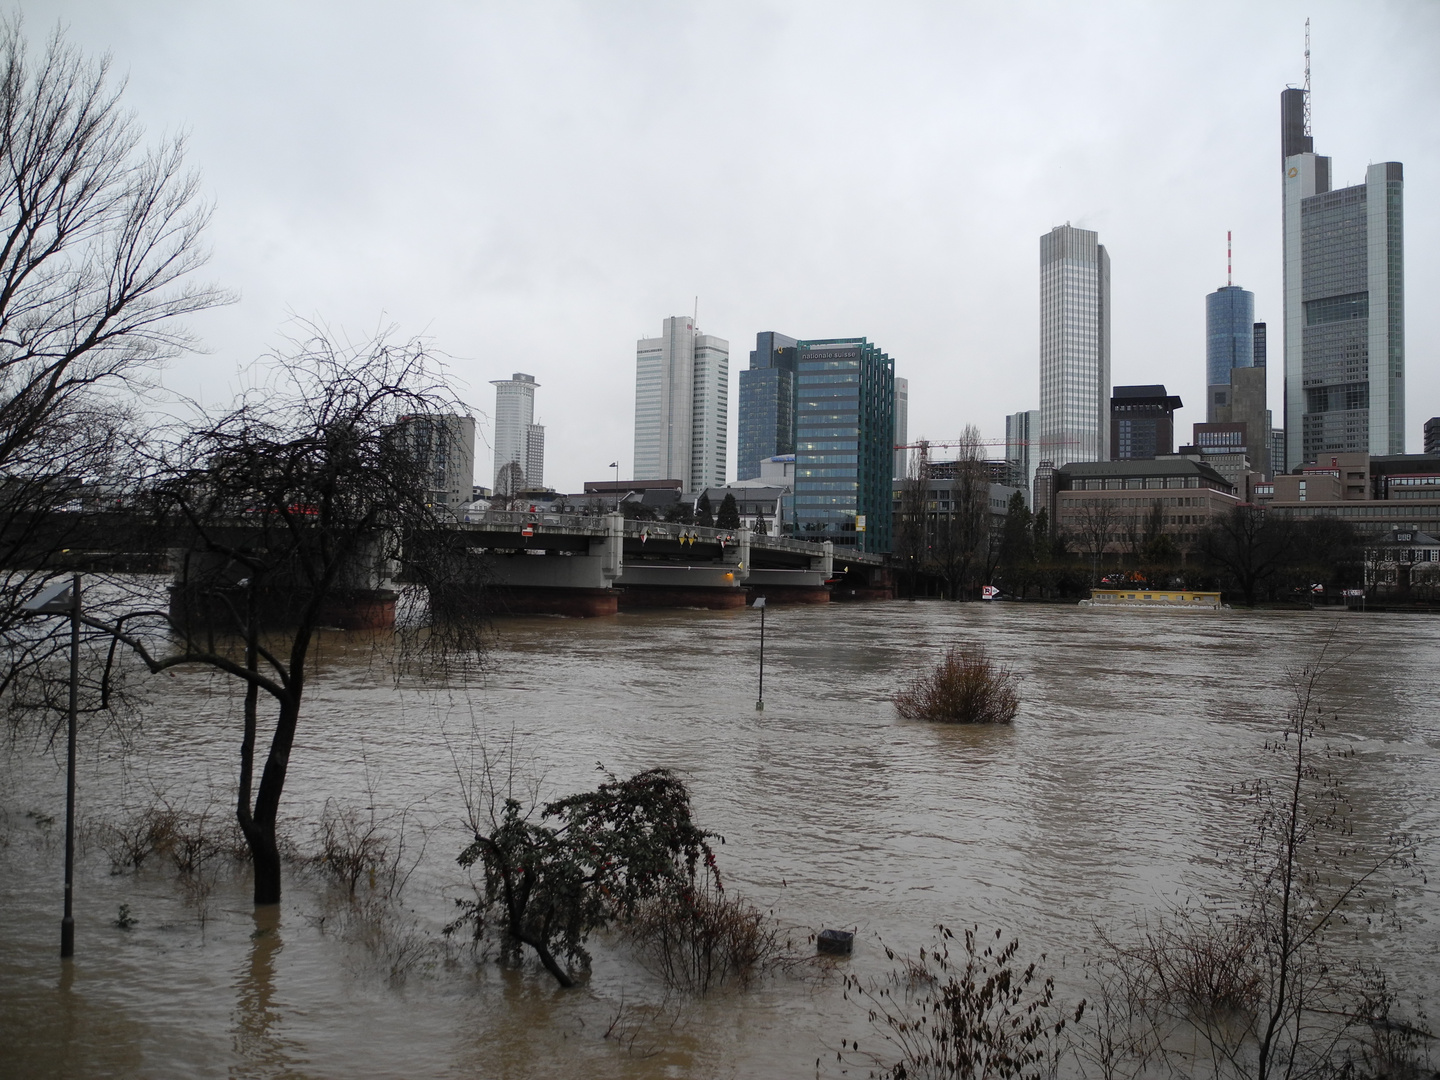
[[518, 439], [1074, 347], [682, 388], [902, 427]]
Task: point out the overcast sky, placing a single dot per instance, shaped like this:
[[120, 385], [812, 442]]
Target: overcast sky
[[535, 185]]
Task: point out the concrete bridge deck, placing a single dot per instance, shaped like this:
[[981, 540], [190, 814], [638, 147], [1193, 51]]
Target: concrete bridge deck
[[586, 565]]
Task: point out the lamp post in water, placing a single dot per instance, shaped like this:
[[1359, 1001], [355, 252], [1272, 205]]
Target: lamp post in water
[[64, 599], [760, 698]]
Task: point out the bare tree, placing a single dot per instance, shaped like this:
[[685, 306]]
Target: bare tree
[[911, 529], [1095, 523], [1250, 544], [961, 544], [99, 237], [294, 509]]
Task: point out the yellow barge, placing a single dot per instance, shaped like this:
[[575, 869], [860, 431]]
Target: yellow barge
[[1165, 599]]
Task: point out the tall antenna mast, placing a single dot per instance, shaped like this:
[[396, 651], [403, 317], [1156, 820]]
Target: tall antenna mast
[[1229, 262], [1307, 78]]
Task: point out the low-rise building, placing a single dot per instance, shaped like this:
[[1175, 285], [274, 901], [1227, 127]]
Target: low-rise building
[[1402, 562], [1377, 494], [1110, 502]]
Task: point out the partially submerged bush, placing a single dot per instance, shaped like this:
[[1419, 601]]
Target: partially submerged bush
[[966, 688], [697, 937], [981, 1013]]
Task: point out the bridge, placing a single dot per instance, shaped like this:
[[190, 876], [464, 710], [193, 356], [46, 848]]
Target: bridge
[[573, 564], [527, 563]]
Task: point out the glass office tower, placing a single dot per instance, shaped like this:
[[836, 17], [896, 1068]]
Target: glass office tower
[[1344, 302], [1229, 342], [1074, 347], [767, 403], [844, 449]]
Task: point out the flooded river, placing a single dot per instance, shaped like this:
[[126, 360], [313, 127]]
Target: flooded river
[[1108, 797]]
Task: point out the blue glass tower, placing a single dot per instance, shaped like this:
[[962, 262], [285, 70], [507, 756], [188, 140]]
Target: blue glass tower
[[844, 443], [1229, 333], [767, 403]]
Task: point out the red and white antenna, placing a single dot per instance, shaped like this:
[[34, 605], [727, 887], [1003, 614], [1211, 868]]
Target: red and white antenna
[[1307, 78], [1229, 263]]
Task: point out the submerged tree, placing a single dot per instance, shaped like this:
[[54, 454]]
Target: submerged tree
[[590, 860], [292, 508]]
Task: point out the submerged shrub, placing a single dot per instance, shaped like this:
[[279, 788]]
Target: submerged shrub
[[966, 688], [697, 937]]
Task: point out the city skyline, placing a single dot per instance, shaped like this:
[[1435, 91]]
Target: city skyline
[[1158, 133]]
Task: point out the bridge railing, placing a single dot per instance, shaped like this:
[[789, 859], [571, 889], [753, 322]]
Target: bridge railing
[[592, 525]]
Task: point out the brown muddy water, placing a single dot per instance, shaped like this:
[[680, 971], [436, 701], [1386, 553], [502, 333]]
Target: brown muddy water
[[1109, 797]]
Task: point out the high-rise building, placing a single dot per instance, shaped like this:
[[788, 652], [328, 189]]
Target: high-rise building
[[446, 443], [1241, 407], [1142, 422], [844, 443], [1432, 435], [534, 456], [1344, 301], [1259, 332], [1022, 432], [902, 428], [1229, 342], [514, 416], [767, 403], [682, 387], [1074, 346], [1277, 448]]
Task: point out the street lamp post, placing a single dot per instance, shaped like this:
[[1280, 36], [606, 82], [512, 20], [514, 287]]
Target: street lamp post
[[760, 698], [64, 599]]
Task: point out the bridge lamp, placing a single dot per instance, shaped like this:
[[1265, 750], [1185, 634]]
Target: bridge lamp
[[63, 598]]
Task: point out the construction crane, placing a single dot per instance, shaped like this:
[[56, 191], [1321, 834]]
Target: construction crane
[[977, 442]]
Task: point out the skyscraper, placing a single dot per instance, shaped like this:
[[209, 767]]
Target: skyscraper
[[767, 403], [1074, 346], [1022, 449], [447, 444], [1229, 342], [901, 467], [1142, 422], [844, 443], [534, 456], [514, 442], [682, 388], [1344, 301]]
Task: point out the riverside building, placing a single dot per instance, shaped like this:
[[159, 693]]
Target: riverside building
[[1344, 301], [1074, 346], [682, 388], [844, 448]]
